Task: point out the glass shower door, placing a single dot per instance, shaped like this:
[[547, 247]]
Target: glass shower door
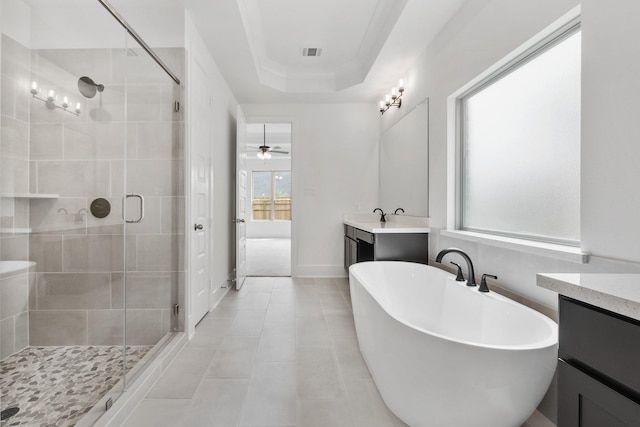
[[154, 177], [63, 152]]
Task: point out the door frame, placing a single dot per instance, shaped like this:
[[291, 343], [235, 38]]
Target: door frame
[[294, 179]]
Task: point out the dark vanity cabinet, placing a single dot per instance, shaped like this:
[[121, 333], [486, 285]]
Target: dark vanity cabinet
[[599, 367], [360, 245]]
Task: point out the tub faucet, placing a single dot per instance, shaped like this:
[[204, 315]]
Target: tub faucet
[[471, 281], [382, 214], [396, 211]]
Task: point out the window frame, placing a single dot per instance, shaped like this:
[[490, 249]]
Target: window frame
[[546, 43]]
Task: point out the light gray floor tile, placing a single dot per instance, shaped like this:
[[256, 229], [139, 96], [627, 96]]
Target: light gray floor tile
[[223, 312], [247, 322], [317, 374], [277, 345], [326, 286], [283, 283], [350, 360], [324, 413], [255, 302], [282, 296], [367, 406], [159, 412], [271, 399], [234, 358], [217, 403], [262, 285], [340, 322], [333, 301], [210, 332], [312, 331], [309, 307], [182, 377], [279, 315]]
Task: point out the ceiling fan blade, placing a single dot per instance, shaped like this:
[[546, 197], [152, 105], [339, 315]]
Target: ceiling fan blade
[[279, 152]]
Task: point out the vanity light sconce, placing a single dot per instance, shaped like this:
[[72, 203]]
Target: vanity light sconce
[[393, 100], [50, 100]]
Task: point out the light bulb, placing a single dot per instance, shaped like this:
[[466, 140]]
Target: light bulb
[[34, 88], [260, 155], [65, 102], [267, 155], [394, 95], [387, 100], [51, 95], [401, 86], [78, 108]]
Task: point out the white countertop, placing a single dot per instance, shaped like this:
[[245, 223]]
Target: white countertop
[[619, 293], [395, 223]]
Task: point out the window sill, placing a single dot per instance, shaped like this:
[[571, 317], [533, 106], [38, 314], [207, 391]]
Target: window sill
[[550, 250]]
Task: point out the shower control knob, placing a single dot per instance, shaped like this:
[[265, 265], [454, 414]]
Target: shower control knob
[[198, 227]]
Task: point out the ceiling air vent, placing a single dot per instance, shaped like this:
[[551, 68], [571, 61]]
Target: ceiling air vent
[[311, 51]]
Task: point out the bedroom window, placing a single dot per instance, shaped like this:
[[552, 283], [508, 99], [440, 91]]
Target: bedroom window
[[271, 195]]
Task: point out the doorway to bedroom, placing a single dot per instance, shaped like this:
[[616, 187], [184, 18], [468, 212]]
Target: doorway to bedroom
[[268, 241]]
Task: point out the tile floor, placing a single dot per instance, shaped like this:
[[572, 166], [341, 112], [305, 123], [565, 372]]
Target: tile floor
[[56, 386], [280, 352]]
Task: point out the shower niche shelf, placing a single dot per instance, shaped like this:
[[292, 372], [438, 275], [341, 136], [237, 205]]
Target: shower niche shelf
[[30, 195]]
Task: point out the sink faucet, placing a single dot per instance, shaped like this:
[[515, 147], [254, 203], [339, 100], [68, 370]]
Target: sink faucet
[[396, 211], [471, 281], [382, 214]]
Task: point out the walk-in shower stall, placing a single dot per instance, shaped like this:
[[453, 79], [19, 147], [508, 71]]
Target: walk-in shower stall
[[91, 207]]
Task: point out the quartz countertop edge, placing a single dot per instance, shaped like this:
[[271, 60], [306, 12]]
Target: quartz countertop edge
[[395, 224], [618, 293]]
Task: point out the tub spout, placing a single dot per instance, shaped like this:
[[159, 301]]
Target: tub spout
[[471, 281]]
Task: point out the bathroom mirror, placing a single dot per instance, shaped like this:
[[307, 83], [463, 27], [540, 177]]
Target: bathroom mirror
[[403, 168]]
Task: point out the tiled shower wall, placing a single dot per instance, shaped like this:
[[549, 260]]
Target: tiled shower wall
[[14, 211], [129, 131]]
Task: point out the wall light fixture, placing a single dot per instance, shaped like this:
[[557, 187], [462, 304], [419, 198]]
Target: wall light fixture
[[50, 100], [393, 100]]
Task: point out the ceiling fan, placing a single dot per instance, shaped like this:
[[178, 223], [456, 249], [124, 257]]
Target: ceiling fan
[[265, 151]]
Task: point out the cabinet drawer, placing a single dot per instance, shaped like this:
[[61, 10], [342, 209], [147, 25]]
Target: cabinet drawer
[[602, 342], [586, 402], [350, 231], [364, 236]]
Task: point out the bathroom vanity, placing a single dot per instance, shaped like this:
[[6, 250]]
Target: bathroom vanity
[[401, 238], [599, 351]]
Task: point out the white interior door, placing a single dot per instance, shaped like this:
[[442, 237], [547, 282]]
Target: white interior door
[[241, 199], [200, 226]]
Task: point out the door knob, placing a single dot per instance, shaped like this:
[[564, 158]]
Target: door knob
[[198, 227]]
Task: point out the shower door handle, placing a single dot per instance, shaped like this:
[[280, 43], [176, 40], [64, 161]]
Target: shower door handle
[[124, 204]]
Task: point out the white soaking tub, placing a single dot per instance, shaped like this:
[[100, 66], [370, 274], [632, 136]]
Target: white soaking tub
[[445, 355]]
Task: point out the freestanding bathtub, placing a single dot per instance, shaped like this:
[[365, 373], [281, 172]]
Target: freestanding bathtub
[[445, 355]]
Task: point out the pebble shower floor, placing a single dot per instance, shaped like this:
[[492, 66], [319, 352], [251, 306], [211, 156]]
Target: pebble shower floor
[[56, 386]]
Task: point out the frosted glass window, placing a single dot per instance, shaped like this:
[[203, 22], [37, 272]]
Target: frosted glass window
[[520, 146]]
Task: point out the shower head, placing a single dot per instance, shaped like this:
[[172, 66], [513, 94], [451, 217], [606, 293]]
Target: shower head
[[88, 87]]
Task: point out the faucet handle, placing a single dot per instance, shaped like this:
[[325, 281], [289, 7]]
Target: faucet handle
[[459, 277], [483, 283]]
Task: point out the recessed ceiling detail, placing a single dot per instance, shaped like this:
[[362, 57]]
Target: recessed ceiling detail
[[351, 35]]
